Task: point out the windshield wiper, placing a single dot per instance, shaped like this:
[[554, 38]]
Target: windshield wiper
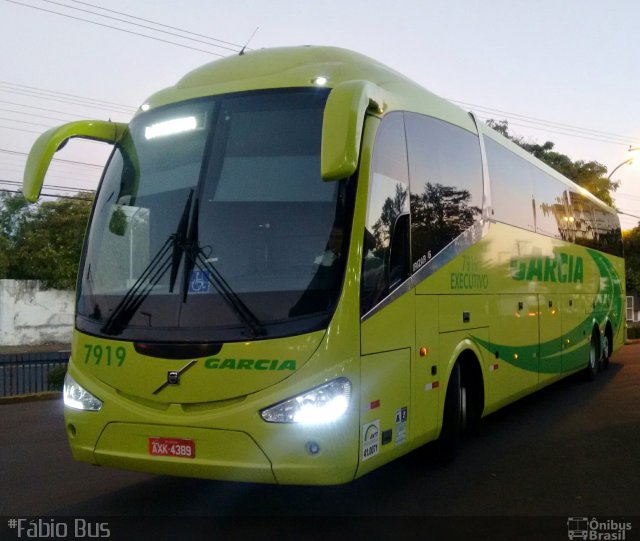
[[194, 255], [183, 240], [168, 257]]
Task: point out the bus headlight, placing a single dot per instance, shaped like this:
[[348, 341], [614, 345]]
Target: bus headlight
[[78, 397], [321, 404]]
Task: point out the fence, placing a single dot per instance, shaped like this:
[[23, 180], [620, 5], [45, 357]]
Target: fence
[[27, 373]]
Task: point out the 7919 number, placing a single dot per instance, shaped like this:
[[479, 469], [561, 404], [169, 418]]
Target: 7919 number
[[105, 354]]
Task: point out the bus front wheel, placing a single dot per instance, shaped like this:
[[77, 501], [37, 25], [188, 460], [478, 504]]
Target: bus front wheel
[[455, 416]]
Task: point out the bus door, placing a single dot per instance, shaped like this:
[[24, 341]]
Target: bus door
[[387, 303]]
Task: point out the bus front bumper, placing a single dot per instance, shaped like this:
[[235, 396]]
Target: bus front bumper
[[217, 454]]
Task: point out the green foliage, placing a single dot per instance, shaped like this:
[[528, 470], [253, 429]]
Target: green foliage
[[14, 211], [4, 255], [55, 378], [118, 222], [42, 242], [631, 242], [590, 175]]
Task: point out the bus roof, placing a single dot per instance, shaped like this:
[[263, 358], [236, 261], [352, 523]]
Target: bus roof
[[297, 67]]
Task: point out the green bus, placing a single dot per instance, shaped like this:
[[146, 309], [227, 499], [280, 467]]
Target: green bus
[[301, 265]]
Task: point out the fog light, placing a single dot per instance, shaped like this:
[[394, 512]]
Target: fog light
[[312, 448]]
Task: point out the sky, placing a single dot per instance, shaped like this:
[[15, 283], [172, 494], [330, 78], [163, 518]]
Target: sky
[[565, 71]]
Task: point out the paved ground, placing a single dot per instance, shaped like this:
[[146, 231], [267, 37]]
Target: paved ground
[[571, 450]]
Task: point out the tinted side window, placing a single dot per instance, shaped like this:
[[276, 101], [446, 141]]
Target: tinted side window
[[595, 226], [385, 261], [581, 220], [550, 205], [511, 186], [608, 231], [446, 183], [555, 210]]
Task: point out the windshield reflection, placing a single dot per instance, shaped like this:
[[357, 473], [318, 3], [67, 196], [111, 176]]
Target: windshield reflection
[[227, 193]]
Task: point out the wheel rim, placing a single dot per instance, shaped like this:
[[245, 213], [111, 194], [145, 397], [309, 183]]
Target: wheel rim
[[605, 347], [463, 408], [593, 358]]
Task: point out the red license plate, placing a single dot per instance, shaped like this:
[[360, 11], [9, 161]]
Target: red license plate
[[172, 447]]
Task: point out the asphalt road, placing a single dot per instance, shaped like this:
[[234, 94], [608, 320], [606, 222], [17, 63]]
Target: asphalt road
[[572, 449]]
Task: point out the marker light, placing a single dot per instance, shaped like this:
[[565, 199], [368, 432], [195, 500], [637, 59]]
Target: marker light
[[322, 404], [320, 81], [77, 397], [171, 127]]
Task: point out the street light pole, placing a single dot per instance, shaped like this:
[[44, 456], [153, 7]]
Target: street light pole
[[629, 161], [626, 162]]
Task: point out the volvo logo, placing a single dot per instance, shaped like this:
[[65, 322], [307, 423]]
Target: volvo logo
[[173, 376]]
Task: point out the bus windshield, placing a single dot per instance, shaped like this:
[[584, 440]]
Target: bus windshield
[[212, 223]]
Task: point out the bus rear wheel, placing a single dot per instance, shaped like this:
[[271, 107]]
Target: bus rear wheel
[[593, 365], [604, 360], [455, 417]]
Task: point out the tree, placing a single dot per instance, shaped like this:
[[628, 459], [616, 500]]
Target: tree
[[631, 241], [391, 209], [440, 214], [43, 242], [590, 175], [4, 255], [14, 211]]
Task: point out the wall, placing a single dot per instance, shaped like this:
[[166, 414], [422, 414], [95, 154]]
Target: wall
[[30, 315], [633, 300]]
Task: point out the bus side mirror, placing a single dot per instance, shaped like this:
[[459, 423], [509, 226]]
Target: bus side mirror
[[53, 140], [342, 124]]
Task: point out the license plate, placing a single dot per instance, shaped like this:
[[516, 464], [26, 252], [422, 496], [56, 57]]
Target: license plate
[[172, 447]]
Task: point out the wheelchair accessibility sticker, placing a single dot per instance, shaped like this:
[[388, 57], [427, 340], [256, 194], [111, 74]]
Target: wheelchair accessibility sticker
[[199, 282]]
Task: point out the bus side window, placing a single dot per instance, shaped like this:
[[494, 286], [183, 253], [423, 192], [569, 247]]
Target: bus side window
[[511, 186], [551, 209], [445, 167], [385, 263], [582, 220]]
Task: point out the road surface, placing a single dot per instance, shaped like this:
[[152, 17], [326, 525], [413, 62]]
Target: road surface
[[570, 450]]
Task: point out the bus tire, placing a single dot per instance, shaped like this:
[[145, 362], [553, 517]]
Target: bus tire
[[606, 349], [593, 363], [454, 417]]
